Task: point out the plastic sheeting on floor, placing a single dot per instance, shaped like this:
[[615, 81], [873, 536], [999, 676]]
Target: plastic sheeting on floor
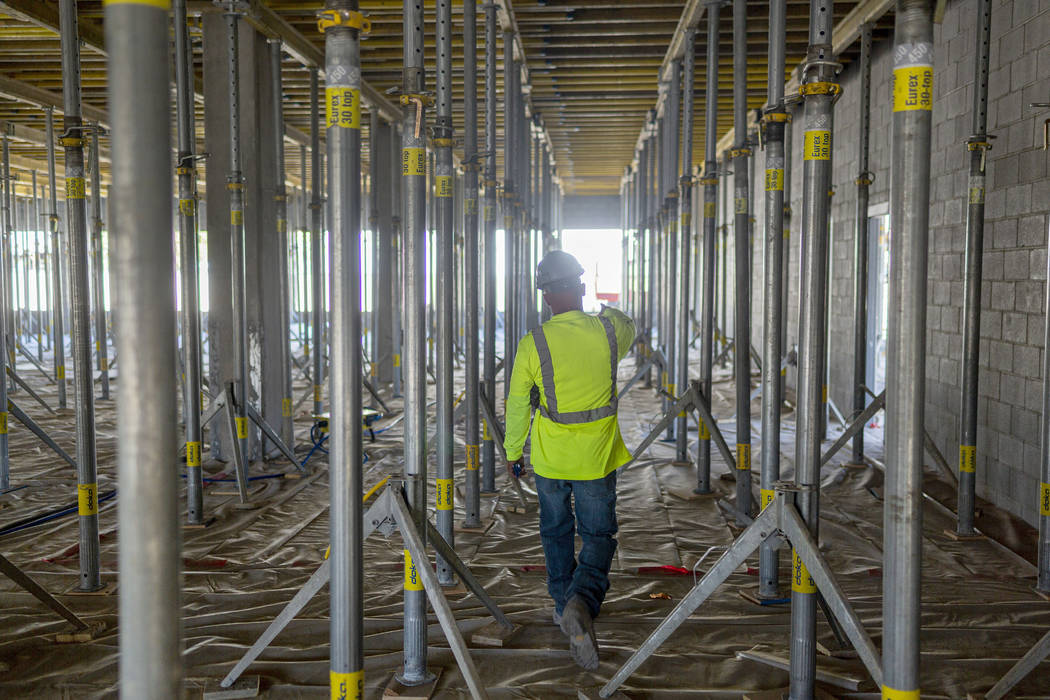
[[979, 612]]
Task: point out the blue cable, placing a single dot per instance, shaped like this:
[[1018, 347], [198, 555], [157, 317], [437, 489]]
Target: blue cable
[[53, 516]]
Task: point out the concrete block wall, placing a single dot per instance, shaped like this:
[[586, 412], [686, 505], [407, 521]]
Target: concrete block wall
[[1014, 268]]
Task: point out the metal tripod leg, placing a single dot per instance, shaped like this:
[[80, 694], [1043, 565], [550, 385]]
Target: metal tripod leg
[[40, 367], [274, 437], [496, 429], [28, 389], [465, 575], [798, 534], [855, 427], [1022, 668], [38, 592], [239, 466], [737, 554], [682, 404], [375, 515], [655, 358], [438, 601], [703, 407], [28, 422]]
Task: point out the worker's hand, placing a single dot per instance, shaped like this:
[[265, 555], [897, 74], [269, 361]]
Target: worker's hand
[[516, 468]]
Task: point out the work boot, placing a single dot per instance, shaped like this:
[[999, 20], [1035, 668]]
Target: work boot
[[578, 626]]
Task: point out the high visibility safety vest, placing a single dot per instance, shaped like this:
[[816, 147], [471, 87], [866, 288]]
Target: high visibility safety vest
[[568, 367], [551, 412]]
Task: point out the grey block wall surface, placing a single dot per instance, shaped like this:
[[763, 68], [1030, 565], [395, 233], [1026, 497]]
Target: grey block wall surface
[[1014, 267]]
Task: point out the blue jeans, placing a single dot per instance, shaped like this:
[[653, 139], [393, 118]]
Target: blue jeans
[[595, 518]]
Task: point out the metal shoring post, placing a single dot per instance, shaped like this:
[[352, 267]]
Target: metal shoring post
[[860, 243], [652, 236], [341, 25], [87, 486], [819, 93], [397, 275], [786, 268], [444, 186], [775, 122], [488, 448], [710, 183], [671, 124], [316, 243], [5, 464], [548, 238], [58, 310], [150, 639], [280, 198], [414, 180], [235, 186], [1043, 578], [6, 294], [685, 237], [510, 165], [742, 258], [906, 359], [978, 146], [302, 272], [37, 272], [97, 259], [641, 266], [472, 507], [191, 324]]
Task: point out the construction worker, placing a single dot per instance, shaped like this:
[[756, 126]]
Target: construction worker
[[576, 444]]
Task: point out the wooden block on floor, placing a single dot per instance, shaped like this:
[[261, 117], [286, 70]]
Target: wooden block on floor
[[81, 636], [458, 589], [493, 635], [752, 596], [244, 687], [232, 490], [953, 535], [847, 653], [486, 523], [592, 694], [396, 689], [108, 588], [199, 526], [520, 509]]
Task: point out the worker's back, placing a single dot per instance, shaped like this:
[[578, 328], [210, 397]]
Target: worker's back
[[575, 435]]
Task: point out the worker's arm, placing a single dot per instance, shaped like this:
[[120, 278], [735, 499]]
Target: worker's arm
[[519, 409], [624, 327]]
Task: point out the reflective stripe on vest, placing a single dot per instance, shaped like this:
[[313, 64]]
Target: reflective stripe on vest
[[551, 412]]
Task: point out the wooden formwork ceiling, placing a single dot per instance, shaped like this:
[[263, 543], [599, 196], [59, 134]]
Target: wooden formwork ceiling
[[593, 66]]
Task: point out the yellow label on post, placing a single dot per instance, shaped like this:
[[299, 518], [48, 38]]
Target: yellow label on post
[[817, 145], [397, 360], [342, 107], [687, 219], [347, 686], [485, 431], [976, 195], [187, 207], [766, 497], [87, 499], [473, 454], [236, 217], [193, 454], [801, 582], [317, 393], [490, 212], [442, 185], [372, 369], [75, 188], [775, 180], [709, 210], [443, 494], [740, 205], [282, 226], [743, 456], [889, 693], [470, 206], [3, 422], [242, 428], [824, 393], [702, 430], [413, 161], [103, 364], [413, 582], [968, 458], [913, 88], [1044, 499], [286, 407]]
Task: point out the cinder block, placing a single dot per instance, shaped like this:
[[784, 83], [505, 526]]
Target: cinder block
[[1033, 394], [1019, 200], [1031, 230], [1022, 71], [1001, 357], [1029, 296], [1003, 295], [1026, 361], [1011, 391], [1032, 453], [1015, 328], [991, 324], [1011, 45], [1026, 424]]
